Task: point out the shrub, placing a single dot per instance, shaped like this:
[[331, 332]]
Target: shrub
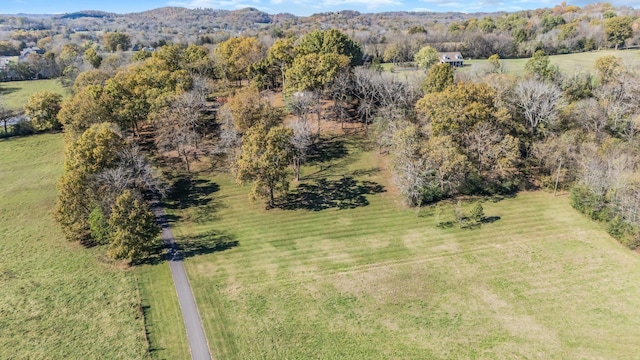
[[23, 127], [477, 213]]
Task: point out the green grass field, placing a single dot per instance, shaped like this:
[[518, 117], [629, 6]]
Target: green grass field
[[570, 63], [567, 64], [58, 300], [346, 272], [14, 95], [164, 323]]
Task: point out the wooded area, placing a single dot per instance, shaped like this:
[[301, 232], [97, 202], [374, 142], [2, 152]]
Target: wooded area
[[451, 133]]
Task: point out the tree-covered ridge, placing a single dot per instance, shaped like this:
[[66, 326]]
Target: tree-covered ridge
[[561, 29]]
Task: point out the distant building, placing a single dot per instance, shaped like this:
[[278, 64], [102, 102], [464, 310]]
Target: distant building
[[30, 50], [4, 62], [454, 59]]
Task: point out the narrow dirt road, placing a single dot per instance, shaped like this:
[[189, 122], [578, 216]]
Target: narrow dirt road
[[192, 322]]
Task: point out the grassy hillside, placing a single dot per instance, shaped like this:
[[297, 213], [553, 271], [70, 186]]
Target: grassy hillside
[[14, 95], [343, 271], [58, 300]]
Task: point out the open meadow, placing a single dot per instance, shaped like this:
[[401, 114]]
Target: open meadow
[[59, 300], [15, 94], [342, 270], [568, 64]]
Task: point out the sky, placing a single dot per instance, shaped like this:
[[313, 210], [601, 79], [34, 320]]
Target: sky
[[296, 7]]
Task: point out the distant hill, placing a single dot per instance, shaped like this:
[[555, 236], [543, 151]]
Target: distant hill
[[87, 14]]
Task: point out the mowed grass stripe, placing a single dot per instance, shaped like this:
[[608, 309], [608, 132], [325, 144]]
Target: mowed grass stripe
[[364, 251], [378, 281]]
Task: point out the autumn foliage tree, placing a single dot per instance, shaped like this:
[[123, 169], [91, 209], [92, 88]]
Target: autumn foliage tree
[[237, 54], [265, 158], [133, 226], [618, 29], [116, 41], [43, 107], [438, 78], [95, 150], [98, 199], [249, 108]]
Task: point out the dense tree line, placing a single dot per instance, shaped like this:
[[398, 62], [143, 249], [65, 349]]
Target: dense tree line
[[391, 37], [105, 192], [489, 133]]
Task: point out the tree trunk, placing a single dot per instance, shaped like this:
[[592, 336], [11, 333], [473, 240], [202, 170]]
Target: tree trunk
[[271, 197], [557, 178], [186, 160]]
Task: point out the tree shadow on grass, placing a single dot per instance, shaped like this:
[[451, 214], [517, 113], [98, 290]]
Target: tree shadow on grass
[[345, 193], [206, 243], [186, 247], [186, 193], [326, 150], [490, 219], [144, 311], [6, 90]]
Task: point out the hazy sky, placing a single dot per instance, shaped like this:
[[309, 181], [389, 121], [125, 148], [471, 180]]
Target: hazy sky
[[297, 7]]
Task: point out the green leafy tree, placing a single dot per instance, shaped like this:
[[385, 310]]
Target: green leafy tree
[[88, 106], [426, 57], [116, 41], [237, 54], [196, 60], [91, 55], [141, 55], [439, 77], [540, 66], [73, 206], [618, 29], [134, 229], [100, 231], [330, 42], [487, 25], [477, 213], [282, 53], [96, 149], [43, 107], [470, 134], [417, 29], [137, 92], [90, 77], [551, 21], [314, 71], [69, 62], [264, 160], [457, 110]]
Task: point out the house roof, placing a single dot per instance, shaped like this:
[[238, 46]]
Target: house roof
[[450, 56]]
